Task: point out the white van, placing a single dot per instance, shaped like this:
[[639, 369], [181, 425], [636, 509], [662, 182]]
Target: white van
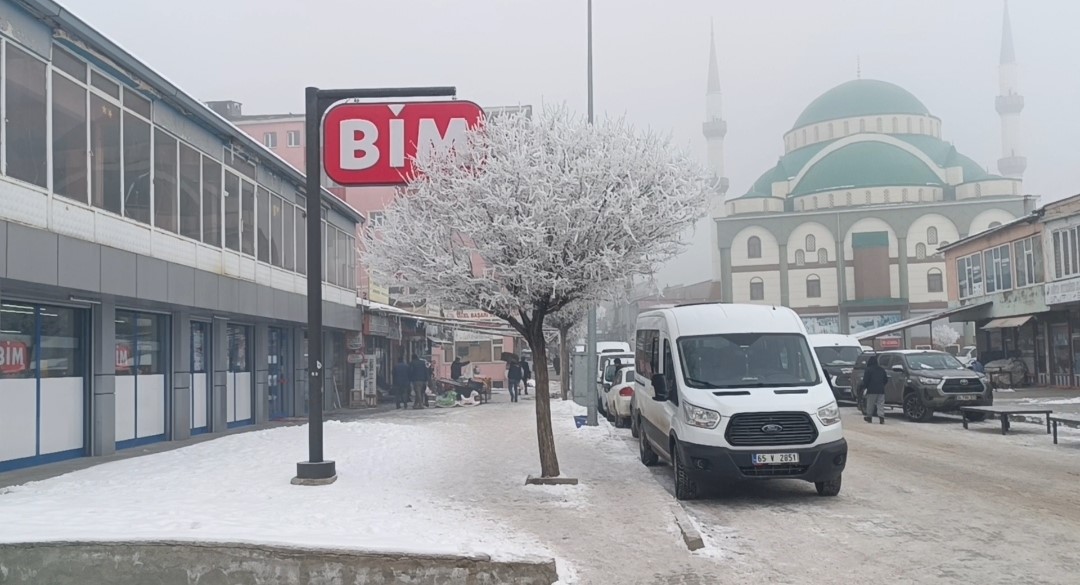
[[837, 354], [733, 392]]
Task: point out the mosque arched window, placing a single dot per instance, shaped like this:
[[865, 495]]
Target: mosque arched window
[[848, 199], [800, 258], [920, 251], [811, 243], [753, 247], [880, 129], [931, 235], [823, 256], [903, 194]]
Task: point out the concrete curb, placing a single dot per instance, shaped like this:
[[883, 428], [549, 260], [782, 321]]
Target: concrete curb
[[690, 535], [186, 563]]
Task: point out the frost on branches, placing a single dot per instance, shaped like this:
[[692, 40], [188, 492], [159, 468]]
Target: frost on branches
[[944, 335], [533, 214]]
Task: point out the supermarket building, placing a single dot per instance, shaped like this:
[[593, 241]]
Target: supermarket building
[[152, 255]]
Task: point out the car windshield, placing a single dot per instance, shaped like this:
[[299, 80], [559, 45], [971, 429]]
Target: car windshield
[[747, 360], [838, 355], [933, 361]]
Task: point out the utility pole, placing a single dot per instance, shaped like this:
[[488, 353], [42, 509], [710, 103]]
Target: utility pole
[[590, 340]]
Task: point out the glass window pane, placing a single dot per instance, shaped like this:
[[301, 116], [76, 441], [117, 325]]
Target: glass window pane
[[1005, 279], [200, 335], [17, 341], [106, 189], [104, 84], [125, 343], [263, 209], [69, 64], [232, 211], [276, 220], [1038, 260], [329, 273], [288, 246], [69, 138], [136, 103], [61, 343], [301, 240], [150, 332], [211, 201], [247, 199], [238, 348], [190, 197], [25, 118], [1021, 273], [343, 258], [165, 181], [136, 168]]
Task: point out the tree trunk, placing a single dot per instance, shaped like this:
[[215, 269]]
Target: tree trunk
[[564, 361], [549, 461]]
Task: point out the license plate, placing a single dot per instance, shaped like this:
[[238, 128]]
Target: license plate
[[969, 398], [774, 458]]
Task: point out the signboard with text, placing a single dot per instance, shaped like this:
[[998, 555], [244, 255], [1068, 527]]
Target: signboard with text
[[1062, 291], [375, 143], [14, 356]]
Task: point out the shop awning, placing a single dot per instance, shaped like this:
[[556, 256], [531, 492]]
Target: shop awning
[[920, 320], [1007, 322]]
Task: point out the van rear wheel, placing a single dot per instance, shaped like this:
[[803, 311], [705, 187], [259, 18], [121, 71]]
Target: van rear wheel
[[645, 452]]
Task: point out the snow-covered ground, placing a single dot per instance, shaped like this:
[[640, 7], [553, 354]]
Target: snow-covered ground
[[440, 480]]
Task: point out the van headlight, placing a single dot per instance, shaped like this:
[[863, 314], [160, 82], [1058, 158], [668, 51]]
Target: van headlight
[[829, 414], [700, 417]]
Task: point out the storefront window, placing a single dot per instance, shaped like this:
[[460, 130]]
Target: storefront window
[[1040, 348], [199, 336], [238, 348], [17, 341], [1027, 347], [140, 343], [1059, 339], [61, 351]]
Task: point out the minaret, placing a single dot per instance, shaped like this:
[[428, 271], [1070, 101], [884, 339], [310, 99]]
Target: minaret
[[715, 128], [1009, 105]]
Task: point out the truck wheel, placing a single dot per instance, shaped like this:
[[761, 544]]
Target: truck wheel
[[915, 410], [648, 456], [828, 488], [685, 488]]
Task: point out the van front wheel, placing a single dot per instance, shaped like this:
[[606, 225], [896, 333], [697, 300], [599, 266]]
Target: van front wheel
[[828, 488], [685, 488]]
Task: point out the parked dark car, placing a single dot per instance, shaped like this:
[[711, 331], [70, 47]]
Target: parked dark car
[[922, 382]]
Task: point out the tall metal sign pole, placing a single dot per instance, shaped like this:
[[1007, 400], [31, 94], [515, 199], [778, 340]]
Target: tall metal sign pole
[[317, 470], [590, 338]]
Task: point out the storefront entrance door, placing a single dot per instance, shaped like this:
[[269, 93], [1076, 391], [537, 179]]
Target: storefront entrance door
[[277, 377]]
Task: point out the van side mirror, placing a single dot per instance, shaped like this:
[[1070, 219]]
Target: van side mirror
[[659, 388], [898, 368]]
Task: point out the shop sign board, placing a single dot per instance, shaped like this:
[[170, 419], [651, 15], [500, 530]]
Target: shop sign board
[[1062, 291], [376, 143], [14, 356]]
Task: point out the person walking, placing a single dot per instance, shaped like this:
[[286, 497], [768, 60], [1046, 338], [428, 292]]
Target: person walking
[[513, 378], [418, 374], [526, 374], [402, 382], [874, 380]]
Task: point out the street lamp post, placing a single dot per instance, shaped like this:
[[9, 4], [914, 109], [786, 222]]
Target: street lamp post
[[590, 339]]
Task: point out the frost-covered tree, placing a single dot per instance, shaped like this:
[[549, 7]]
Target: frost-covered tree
[[944, 335], [530, 215]]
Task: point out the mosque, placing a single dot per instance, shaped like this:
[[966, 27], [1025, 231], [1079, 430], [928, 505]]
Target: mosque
[[846, 226]]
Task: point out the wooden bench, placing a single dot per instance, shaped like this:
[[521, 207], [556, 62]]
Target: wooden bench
[[1063, 418], [1003, 412]]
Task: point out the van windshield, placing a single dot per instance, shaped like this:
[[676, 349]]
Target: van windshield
[[837, 355], [747, 360]]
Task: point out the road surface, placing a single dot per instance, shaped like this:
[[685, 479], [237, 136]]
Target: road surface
[[921, 503]]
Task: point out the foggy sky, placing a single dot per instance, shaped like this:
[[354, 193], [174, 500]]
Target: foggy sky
[[650, 61]]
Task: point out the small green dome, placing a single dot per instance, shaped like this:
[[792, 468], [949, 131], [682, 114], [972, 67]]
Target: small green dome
[[866, 164], [861, 97]]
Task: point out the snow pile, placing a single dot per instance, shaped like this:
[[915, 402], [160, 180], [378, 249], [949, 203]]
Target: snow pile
[[392, 493]]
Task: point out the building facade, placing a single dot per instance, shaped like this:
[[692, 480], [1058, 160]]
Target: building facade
[[152, 256]]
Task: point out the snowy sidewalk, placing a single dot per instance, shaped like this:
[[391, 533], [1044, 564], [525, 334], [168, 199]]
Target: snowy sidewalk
[[437, 481]]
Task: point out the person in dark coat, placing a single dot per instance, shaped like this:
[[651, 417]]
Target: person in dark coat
[[455, 368], [513, 379], [402, 382], [555, 364], [874, 380], [526, 374], [418, 375]]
